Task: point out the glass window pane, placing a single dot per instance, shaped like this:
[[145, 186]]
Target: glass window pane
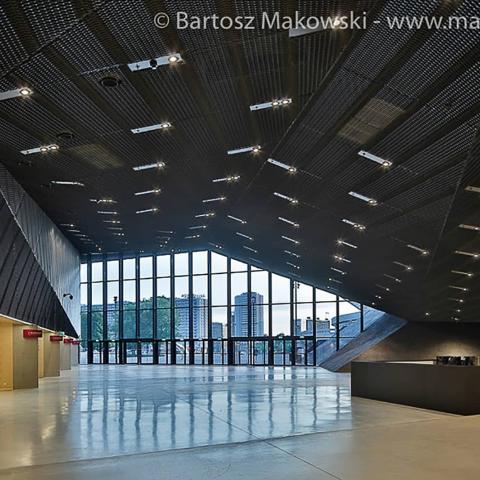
[[303, 314], [83, 272], [97, 325], [129, 295], [146, 293], [181, 287], [280, 289], [219, 263], [200, 316], [163, 265], [219, 289], [349, 320], [112, 295], [129, 268], [83, 296], [323, 296], [370, 315], [280, 320], [146, 323], [146, 267], [112, 270], [302, 292], [260, 286], [129, 324], [240, 320], [97, 272], [163, 292], [200, 262], [112, 324], [219, 322], [239, 288], [326, 313], [163, 323], [182, 319], [237, 266], [259, 318], [97, 296], [200, 286], [181, 264]]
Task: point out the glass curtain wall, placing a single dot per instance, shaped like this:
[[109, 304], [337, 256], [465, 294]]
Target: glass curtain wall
[[202, 307]]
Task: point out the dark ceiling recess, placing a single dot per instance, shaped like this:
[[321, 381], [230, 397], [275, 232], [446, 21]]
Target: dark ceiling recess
[[401, 237]]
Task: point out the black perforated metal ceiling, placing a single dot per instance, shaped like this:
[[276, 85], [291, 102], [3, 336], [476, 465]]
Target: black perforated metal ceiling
[[410, 96]]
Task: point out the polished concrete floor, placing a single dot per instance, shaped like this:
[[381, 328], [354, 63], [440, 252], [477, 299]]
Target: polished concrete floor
[[142, 422]]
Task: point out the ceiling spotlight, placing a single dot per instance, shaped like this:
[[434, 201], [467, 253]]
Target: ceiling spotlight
[[293, 201], [395, 279], [334, 280], [63, 182], [208, 214], [237, 219], [339, 258], [357, 226], [343, 242], [197, 227], [250, 249], [374, 158], [274, 103], [289, 168], [104, 212], [217, 199], [338, 270], [215, 245], [468, 254], [254, 149], [191, 236], [422, 251], [470, 227], [293, 265], [458, 300], [230, 179], [157, 126], [456, 287], [148, 166], [290, 222], [408, 268], [116, 222], [43, 149], [25, 92], [387, 289], [370, 201], [19, 92], [292, 254], [240, 234], [466, 274], [148, 210], [154, 63], [336, 22], [147, 192], [296, 242]]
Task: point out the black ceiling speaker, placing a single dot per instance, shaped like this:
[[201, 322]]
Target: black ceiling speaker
[[65, 135], [110, 82]]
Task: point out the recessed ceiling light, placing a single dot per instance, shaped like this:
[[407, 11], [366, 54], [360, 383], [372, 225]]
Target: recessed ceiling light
[[105, 212], [387, 289], [339, 258], [192, 236], [292, 254], [253, 148], [229, 179], [338, 270], [112, 221], [357, 226], [240, 234], [296, 242], [68, 183], [158, 126], [293, 201], [347, 244], [154, 63], [290, 222], [468, 254], [274, 103], [456, 287], [148, 210], [334, 280], [215, 245], [466, 274], [148, 192], [409, 268], [217, 199], [470, 227], [423, 251], [250, 249], [110, 82], [103, 200], [370, 201], [458, 300], [374, 158], [289, 168], [43, 149], [148, 166], [208, 214], [197, 227], [293, 265], [237, 219], [391, 277], [18, 92]]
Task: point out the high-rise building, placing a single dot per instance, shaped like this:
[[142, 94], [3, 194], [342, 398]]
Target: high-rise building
[[217, 330], [240, 315], [200, 316], [298, 327]]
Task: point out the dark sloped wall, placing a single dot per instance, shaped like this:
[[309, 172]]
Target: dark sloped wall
[[37, 264]]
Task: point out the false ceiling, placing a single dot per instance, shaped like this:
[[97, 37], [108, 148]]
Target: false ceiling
[[408, 96]]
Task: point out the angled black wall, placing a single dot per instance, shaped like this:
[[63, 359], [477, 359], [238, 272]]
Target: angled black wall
[[37, 264]]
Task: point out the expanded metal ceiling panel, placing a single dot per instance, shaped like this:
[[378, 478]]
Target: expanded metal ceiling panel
[[409, 96]]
